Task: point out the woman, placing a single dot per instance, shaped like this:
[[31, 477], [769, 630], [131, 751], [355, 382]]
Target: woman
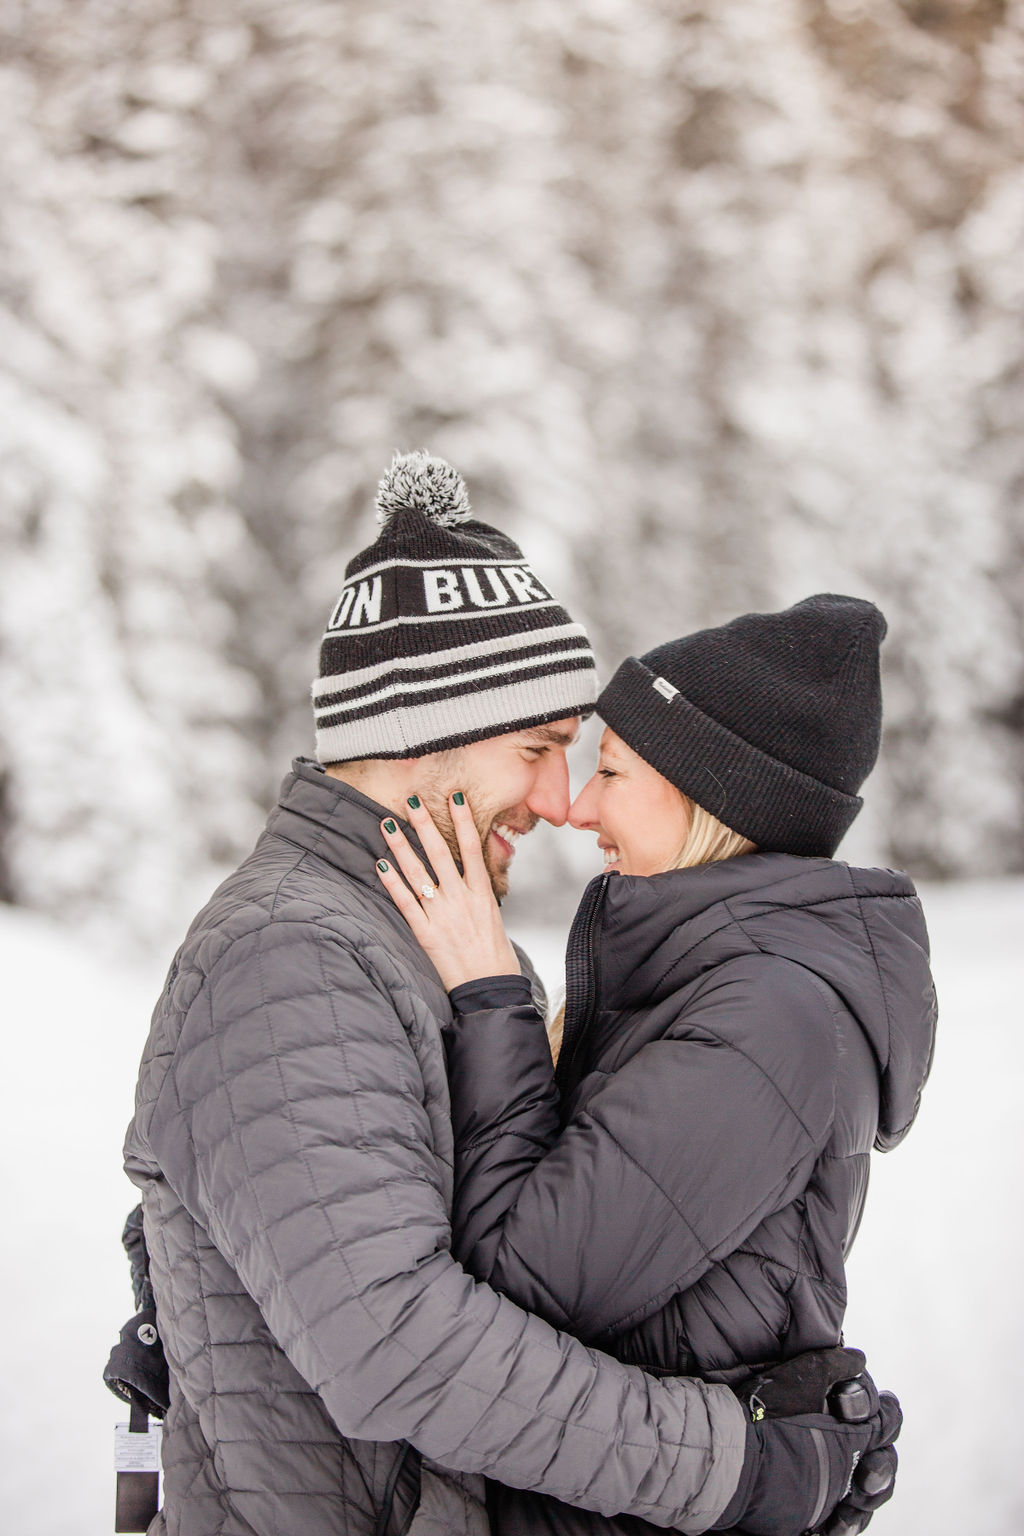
[[745, 1017]]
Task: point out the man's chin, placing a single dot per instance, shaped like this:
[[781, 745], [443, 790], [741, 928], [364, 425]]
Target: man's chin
[[497, 861], [497, 873]]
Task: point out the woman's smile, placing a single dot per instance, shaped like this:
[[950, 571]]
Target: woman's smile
[[641, 820]]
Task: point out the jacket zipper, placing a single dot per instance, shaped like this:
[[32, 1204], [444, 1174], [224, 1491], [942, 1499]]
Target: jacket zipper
[[388, 1496], [581, 976]]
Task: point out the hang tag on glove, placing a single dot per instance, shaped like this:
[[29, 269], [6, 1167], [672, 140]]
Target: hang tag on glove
[[134, 1452], [137, 1464]]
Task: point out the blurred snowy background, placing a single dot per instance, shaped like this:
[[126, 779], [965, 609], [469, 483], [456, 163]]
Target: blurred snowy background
[[714, 305]]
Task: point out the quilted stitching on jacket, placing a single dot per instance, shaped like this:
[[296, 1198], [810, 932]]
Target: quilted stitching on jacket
[[293, 1144]]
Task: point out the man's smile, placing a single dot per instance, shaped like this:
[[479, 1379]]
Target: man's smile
[[507, 837]]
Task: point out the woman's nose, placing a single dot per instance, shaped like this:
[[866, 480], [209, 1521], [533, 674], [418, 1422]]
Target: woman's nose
[[581, 811]]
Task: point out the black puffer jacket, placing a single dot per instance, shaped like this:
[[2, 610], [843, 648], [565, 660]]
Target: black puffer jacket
[[737, 1038]]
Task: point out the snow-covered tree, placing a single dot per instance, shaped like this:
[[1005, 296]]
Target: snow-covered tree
[[713, 306]]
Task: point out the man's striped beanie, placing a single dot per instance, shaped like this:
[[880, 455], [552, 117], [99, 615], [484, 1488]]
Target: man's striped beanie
[[442, 634]]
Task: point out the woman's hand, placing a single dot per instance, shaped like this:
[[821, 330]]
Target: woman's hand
[[457, 921]]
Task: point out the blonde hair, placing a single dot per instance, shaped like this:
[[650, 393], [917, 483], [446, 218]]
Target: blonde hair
[[707, 841]]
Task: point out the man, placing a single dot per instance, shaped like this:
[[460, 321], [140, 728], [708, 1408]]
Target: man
[[292, 1138]]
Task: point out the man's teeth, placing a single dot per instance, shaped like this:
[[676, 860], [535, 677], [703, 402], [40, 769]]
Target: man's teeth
[[508, 834], [609, 855]]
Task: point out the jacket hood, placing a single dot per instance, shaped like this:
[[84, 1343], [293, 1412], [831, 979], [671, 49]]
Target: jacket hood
[[861, 930]]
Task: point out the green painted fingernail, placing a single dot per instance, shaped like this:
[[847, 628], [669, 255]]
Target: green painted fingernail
[[389, 826], [414, 801], [459, 797], [383, 866]]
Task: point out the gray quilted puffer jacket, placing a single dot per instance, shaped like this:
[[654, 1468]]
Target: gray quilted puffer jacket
[[293, 1144]]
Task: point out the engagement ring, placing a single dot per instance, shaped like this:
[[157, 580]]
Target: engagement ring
[[427, 892]]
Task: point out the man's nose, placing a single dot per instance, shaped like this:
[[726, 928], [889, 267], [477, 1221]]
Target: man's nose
[[549, 797]]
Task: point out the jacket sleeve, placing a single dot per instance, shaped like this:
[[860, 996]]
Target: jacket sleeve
[[292, 1124], [674, 1160]]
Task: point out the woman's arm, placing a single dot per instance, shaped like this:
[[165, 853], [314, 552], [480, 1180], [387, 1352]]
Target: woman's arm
[[504, 1106], [676, 1158]]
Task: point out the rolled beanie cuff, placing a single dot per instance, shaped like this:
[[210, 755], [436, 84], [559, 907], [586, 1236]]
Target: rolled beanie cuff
[[777, 807], [461, 718]]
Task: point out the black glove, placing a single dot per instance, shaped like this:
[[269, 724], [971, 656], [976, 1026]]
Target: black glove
[[137, 1368], [808, 1383], [133, 1240], [814, 1469]]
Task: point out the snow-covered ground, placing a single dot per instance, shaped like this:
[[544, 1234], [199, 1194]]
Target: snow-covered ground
[[935, 1280]]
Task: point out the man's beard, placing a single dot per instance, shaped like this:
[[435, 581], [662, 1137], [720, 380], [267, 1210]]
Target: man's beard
[[435, 798]]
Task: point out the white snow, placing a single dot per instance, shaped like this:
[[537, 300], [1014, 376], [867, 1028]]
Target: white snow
[[934, 1281]]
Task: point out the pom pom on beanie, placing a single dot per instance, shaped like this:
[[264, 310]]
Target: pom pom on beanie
[[431, 486]]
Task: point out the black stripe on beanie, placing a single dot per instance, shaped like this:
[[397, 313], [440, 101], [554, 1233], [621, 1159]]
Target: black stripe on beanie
[[448, 739], [413, 727], [402, 590], [399, 677], [352, 651], [406, 697]]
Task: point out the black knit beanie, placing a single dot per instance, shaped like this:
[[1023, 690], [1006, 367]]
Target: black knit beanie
[[771, 722], [442, 634]]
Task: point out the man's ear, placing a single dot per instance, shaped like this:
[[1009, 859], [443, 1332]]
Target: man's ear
[[436, 767], [386, 780]]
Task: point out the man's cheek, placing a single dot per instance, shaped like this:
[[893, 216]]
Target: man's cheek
[[483, 831]]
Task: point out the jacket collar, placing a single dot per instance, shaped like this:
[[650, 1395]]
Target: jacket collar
[[661, 931], [861, 931], [335, 821]]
